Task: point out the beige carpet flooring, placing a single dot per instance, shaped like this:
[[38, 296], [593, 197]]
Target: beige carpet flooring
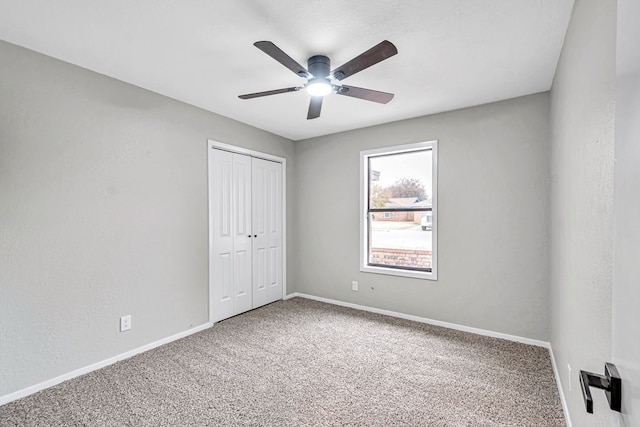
[[305, 363]]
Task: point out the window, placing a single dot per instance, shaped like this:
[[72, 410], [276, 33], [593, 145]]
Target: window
[[398, 225]]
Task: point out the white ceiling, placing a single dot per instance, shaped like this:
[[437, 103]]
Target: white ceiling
[[451, 53]]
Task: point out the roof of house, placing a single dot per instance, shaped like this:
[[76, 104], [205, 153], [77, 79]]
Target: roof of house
[[406, 202], [401, 201], [422, 204]]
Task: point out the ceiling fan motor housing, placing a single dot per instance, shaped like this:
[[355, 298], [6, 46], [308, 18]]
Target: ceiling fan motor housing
[[319, 66]]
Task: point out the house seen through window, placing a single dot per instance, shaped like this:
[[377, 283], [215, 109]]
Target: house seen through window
[[398, 227]]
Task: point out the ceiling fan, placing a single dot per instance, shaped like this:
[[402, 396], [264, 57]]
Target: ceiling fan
[[321, 81]]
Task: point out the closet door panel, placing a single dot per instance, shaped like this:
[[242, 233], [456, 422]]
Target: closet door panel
[[241, 213], [260, 254], [274, 230], [267, 225], [222, 251]]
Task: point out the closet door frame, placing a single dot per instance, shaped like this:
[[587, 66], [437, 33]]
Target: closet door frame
[[211, 144]]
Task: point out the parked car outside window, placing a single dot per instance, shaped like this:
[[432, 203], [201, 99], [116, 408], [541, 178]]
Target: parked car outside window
[[426, 223]]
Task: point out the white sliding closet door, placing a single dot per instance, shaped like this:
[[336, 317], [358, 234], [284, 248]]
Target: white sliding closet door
[[267, 231], [246, 233]]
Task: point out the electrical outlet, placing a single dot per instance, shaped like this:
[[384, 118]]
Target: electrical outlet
[[354, 285], [125, 323], [569, 373]]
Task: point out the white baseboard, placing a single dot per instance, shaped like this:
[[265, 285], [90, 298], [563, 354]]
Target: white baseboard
[[419, 319], [563, 400], [95, 366]]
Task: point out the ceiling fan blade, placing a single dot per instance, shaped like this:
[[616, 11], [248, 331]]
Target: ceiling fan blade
[[314, 107], [276, 53], [269, 92], [378, 53], [367, 94]]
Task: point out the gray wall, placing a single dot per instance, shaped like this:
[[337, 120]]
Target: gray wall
[[493, 194], [582, 165], [103, 212]]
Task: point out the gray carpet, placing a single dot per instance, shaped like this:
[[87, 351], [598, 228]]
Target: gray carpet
[[303, 363]]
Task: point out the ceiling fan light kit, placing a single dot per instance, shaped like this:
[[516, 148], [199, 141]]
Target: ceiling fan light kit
[[319, 87], [321, 80]]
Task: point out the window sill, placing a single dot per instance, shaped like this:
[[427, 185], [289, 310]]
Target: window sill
[[402, 273]]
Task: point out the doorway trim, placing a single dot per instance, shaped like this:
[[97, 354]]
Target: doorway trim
[[258, 154]]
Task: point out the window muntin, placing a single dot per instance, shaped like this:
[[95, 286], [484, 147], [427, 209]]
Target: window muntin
[[398, 189]]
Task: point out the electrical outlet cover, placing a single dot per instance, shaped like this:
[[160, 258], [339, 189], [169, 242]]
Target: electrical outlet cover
[[125, 323]]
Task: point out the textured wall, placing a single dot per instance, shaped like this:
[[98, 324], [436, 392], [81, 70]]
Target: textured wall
[[103, 212], [493, 192], [582, 147]]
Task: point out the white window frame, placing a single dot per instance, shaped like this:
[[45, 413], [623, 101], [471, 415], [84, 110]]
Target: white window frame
[[364, 194]]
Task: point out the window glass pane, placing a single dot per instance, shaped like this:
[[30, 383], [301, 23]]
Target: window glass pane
[[400, 181], [403, 240]]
